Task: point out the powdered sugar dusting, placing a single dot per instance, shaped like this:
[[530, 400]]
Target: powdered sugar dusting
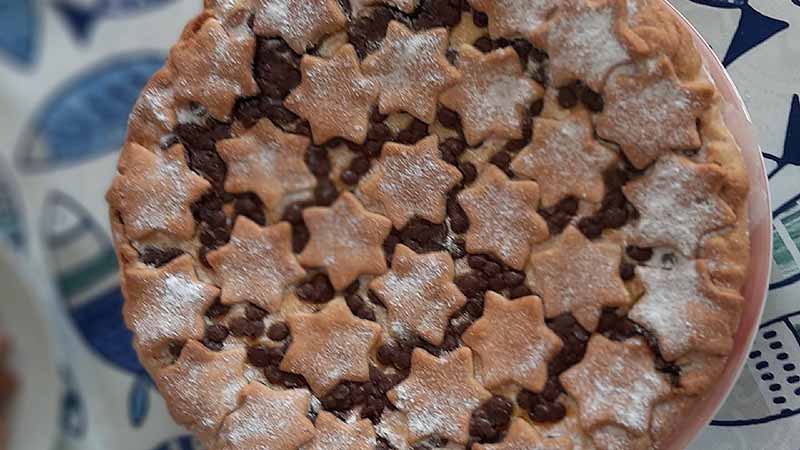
[[498, 99], [168, 187], [677, 206], [584, 45], [268, 419], [169, 309]]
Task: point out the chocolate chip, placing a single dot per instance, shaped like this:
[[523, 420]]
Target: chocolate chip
[[668, 261], [175, 348], [259, 356], [536, 108], [437, 13], [523, 49], [243, 327], [626, 271], [250, 206], [513, 278], [376, 117], [316, 290], [567, 98], [515, 145], [360, 165], [591, 99], [472, 284], [615, 217], [423, 236], [480, 19], [317, 161], [389, 244], [484, 44], [468, 172], [491, 268], [476, 262], [519, 292], [276, 68], [501, 159], [367, 31], [449, 118], [300, 237], [199, 141], [590, 227], [640, 254], [415, 131], [386, 354], [325, 192], [459, 222], [491, 419], [278, 331], [157, 257], [217, 309], [216, 333], [349, 177], [574, 338], [293, 213], [458, 248], [354, 302], [568, 205], [352, 288], [474, 307], [547, 412], [253, 312], [497, 283], [379, 132]]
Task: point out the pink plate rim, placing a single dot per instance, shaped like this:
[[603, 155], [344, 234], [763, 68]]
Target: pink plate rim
[[760, 213]]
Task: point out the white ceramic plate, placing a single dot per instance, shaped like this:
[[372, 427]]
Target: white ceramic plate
[[35, 407]]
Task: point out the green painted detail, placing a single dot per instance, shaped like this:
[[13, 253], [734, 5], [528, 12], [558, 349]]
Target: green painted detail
[[77, 279]]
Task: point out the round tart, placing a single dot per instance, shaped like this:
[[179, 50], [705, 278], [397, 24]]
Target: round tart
[[417, 224]]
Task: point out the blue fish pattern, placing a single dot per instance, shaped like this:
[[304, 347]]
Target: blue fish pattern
[[84, 268], [74, 421], [769, 388], [786, 244], [88, 116], [19, 23], [12, 226], [81, 17], [754, 27], [179, 443], [791, 146]]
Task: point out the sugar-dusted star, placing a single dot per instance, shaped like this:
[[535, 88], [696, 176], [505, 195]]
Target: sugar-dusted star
[[686, 311], [333, 434], [565, 159], [330, 346], [493, 94], [522, 436], [198, 376], [590, 53], [257, 265], [578, 276], [153, 115], [513, 342], [616, 383], [419, 294], [214, 67], [411, 71], [301, 23], [409, 181], [334, 96], [154, 192], [439, 395], [679, 203], [267, 419], [649, 111], [407, 6], [346, 240], [268, 161], [503, 218], [167, 304], [516, 18]]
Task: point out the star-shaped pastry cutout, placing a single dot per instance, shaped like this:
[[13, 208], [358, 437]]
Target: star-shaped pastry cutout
[[686, 311], [565, 159], [202, 387], [616, 383], [214, 67], [334, 96], [407, 6], [267, 161], [257, 265], [153, 116], [419, 294], [167, 304], [678, 203], [154, 192], [578, 276], [267, 419], [493, 94], [409, 181], [502, 216], [522, 436], [346, 240], [513, 343], [411, 71], [439, 395], [301, 23], [516, 18], [649, 111], [330, 346], [586, 40], [333, 434]]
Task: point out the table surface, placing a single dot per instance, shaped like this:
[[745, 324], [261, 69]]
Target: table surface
[[70, 71]]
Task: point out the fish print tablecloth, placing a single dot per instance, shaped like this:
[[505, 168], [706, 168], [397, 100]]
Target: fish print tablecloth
[[70, 71]]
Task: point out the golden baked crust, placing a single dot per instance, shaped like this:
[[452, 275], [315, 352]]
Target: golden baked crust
[[318, 200]]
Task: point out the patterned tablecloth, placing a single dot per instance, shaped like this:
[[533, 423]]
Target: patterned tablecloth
[[70, 71]]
